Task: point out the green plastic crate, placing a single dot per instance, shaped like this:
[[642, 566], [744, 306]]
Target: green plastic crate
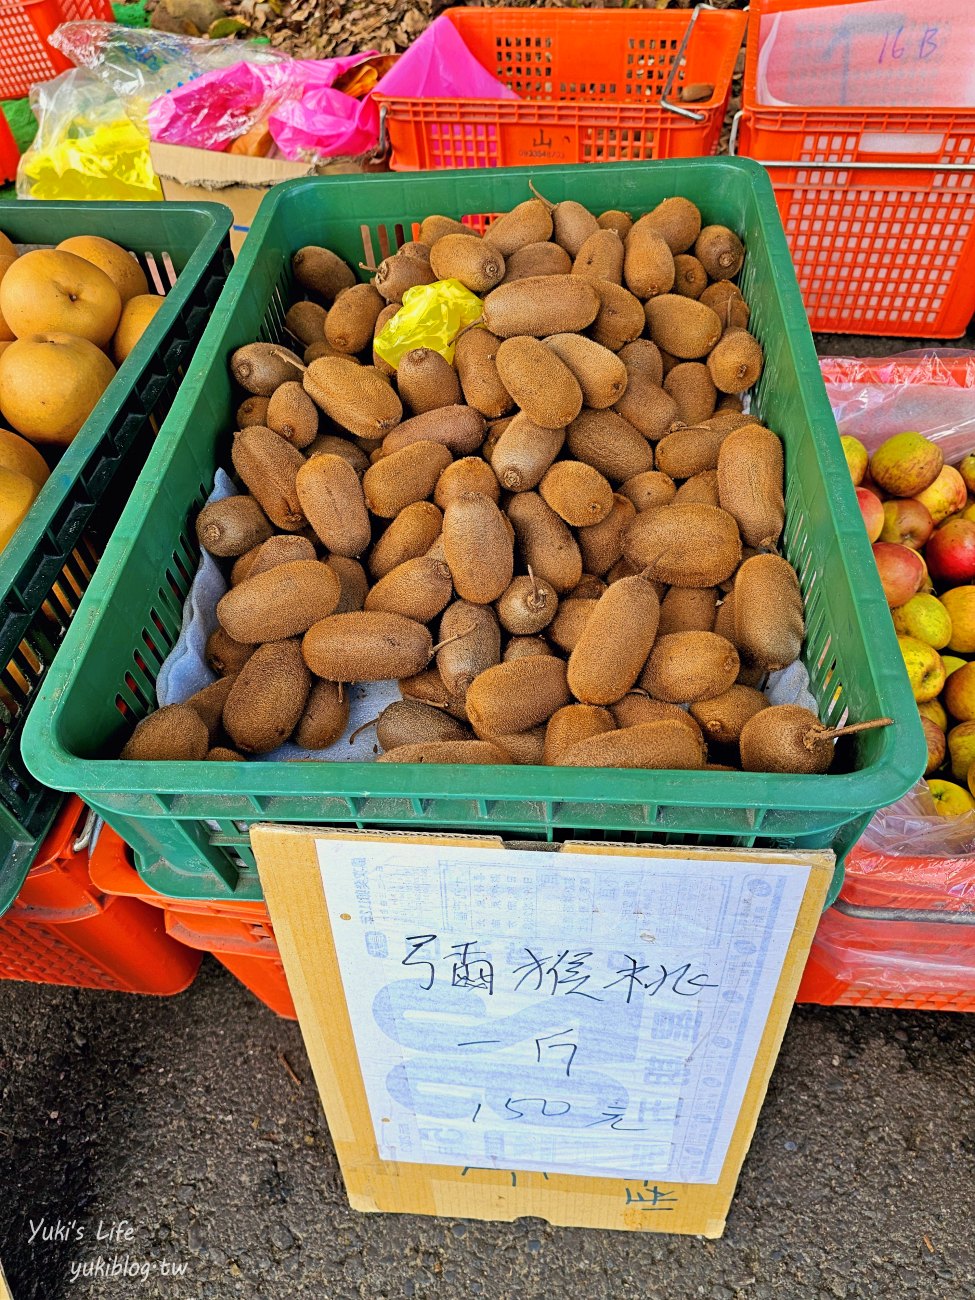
[[46, 566], [189, 822]]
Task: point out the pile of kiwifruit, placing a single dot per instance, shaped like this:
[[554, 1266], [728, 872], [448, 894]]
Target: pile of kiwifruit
[[562, 543]]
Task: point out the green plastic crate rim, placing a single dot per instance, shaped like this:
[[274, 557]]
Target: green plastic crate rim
[[46, 564], [189, 822]]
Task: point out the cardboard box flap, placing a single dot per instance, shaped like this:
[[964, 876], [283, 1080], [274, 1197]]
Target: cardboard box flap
[[209, 170]]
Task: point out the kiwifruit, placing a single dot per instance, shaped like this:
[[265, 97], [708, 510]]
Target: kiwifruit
[[636, 708], [478, 265], [494, 431], [651, 488], [572, 224], [677, 221], [648, 268], [260, 368], [268, 466], [663, 745], [225, 655], [416, 248], [460, 428], [535, 260], [284, 548], [616, 220], [700, 489], [330, 444], [624, 569], [729, 420], [601, 375], [352, 319], [367, 646], [325, 718], [279, 603], [735, 362], [667, 361], [267, 698], [601, 257], [523, 647], [412, 532], [478, 549], [619, 319], [617, 637], [545, 541], [751, 483], [332, 499], [221, 754], [470, 474], [527, 223], [684, 667], [576, 492], [539, 381], [292, 414], [723, 718], [429, 687], [527, 605], [684, 327], [253, 410], [314, 351], [589, 587], [208, 704], [571, 724], [436, 550], [380, 363], [729, 402], [725, 298], [470, 644], [353, 583], [524, 452], [690, 277], [321, 271], [610, 444], [570, 621], [689, 451], [355, 397], [522, 747], [692, 388], [685, 546], [474, 358], [412, 722], [541, 305], [647, 407], [403, 477], [720, 252], [687, 609], [232, 526], [175, 733], [724, 620], [517, 695], [769, 618], [433, 228], [305, 321], [426, 381], [448, 753], [242, 565], [602, 544], [785, 738], [396, 274], [419, 589], [643, 357]]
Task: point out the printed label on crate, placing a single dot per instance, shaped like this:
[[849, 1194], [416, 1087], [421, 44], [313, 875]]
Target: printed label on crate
[[557, 1011]]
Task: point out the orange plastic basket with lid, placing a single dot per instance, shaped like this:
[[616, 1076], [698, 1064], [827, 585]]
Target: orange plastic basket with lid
[[25, 25]]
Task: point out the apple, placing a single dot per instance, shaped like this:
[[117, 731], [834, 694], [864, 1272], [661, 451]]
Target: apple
[[924, 668], [936, 745], [969, 512], [950, 552], [934, 710], [924, 618], [949, 799], [961, 749], [873, 512], [959, 694], [960, 604], [952, 662], [906, 464], [906, 522], [966, 468], [945, 496], [901, 571], [857, 458]]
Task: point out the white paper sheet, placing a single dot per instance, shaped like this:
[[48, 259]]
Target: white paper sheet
[[553, 1011]]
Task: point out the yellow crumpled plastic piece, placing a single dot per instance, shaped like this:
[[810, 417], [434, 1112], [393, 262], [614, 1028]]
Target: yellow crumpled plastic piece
[[431, 317], [107, 160]]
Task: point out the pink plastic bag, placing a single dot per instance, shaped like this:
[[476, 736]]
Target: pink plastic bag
[[440, 66]]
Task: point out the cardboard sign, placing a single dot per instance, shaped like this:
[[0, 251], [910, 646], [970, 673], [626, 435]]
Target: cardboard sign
[[584, 1035]]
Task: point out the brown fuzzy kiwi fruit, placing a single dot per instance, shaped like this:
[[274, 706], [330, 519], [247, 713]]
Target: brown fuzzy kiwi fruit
[[570, 621], [735, 362], [545, 541], [242, 565], [225, 655], [729, 402], [751, 483], [723, 718], [396, 274], [523, 747], [221, 754], [412, 532], [478, 265], [293, 415], [403, 477], [429, 687], [470, 474], [589, 587], [175, 733], [700, 489], [688, 609], [690, 277], [332, 499], [648, 407], [269, 466], [541, 305], [474, 359], [367, 646], [685, 546], [539, 381], [601, 257], [602, 544], [651, 488], [615, 219], [527, 606], [690, 385], [458, 427], [570, 725], [730, 420], [685, 328], [624, 569], [426, 381], [478, 549], [330, 444], [305, 321], [523, 647], [419, 589], [284, 548], [435, 227], [725, 298], [677, 221], [495, 429], [325, 718], [353, 583], [448, 753], [355, 397], [279, 603], [617, 637], [267, 698], [412, 722], [321, 271], [636, 708], [720, 252], [684, 667], [535, 260], [260, 368], [232, 526], [379, 363], [524, 452], [609, 443], [619, 319], [253, 411], [769, 617], [415, 248], [785, 738], [648, 268], [600, 374], [576, 492], [724, 620], [527, 223], [643, 357], [572, 224], [664, 745], [517, 695], [470, 644], [314, 351], [352, 319], [689, 451]]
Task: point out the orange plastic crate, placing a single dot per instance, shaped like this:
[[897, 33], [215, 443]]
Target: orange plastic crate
[[593, 87], [882, 237], [9, 157], [61, 929], [25, 25]]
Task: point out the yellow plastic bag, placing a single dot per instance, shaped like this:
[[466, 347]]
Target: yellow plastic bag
[[432, 316]]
